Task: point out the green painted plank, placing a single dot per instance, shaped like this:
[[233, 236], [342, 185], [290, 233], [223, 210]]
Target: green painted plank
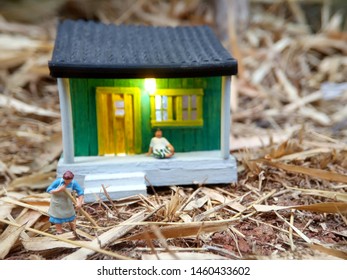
[[74, 105], [162, 83], [188, 135], [198, 137], [79, 98], [214, 93], [146, 130], [174, 83], [93, 130]]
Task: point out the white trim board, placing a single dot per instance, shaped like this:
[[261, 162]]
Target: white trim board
[[66, 119], [94, 194]]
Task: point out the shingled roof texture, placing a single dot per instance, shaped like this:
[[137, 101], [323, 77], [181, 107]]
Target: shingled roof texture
[[96, 50]]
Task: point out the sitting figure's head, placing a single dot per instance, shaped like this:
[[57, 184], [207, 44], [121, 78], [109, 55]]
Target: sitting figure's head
[[158, 133]]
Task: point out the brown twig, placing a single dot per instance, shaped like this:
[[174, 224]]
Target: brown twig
[[85, 214]]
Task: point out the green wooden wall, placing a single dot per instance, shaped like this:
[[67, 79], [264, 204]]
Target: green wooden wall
[[183, 139]]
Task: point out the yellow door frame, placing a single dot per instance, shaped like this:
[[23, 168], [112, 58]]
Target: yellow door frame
[[105, 117]]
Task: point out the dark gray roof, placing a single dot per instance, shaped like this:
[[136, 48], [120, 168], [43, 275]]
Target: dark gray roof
[[95, 50]]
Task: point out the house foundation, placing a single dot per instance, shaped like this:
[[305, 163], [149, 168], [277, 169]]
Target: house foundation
[[128, 175]]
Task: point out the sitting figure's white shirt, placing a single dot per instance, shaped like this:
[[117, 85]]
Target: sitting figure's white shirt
[[158, 143], [160, 147]]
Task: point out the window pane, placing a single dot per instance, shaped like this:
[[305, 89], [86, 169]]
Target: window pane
[[164, 101], [157, 102], [120, 112], [158, 115], [181, 108], [185, 115], [185, 101], [193, 115], [119, 104], [193, 102], [165, 117]]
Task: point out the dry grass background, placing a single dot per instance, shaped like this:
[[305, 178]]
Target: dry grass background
[[288, 134]]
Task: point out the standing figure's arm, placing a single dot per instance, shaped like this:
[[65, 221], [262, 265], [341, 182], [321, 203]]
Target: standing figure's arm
[[55, 188]]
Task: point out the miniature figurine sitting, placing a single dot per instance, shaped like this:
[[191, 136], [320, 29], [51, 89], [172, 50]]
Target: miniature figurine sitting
[[160, 147], [61, 208]]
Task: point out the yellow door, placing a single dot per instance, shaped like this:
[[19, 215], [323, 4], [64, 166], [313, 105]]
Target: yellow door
[[115, 114]]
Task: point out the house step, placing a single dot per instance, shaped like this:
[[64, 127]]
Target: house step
[[118, 185]]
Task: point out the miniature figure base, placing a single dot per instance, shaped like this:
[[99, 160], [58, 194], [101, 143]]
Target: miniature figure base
[[128, 175]]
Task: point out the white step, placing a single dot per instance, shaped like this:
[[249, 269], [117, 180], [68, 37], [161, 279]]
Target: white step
[[118, 185], [123, 179]]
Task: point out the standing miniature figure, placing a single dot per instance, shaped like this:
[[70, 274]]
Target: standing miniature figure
[[160, 147], [61, 208]]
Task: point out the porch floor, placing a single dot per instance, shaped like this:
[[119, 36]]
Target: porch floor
[[182, 169]]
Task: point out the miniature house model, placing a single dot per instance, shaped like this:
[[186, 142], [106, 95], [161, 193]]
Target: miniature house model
[[118, 84]]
